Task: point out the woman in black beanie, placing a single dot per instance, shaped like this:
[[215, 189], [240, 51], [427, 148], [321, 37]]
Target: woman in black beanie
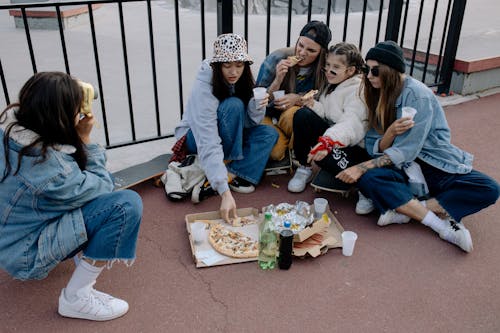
[[405, 148]]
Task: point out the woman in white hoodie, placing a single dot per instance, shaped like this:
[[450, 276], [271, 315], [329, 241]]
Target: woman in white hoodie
[[221, 124], [336, 124]]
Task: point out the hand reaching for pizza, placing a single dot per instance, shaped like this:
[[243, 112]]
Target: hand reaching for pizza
[[228, 207]]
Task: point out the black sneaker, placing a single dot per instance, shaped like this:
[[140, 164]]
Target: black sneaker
[[240, 185], [201, 191]]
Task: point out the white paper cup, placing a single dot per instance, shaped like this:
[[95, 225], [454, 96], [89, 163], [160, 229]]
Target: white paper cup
[[259, 93], [348, 241], [408, 111], [320, 205], [278, 94], [198, 232]]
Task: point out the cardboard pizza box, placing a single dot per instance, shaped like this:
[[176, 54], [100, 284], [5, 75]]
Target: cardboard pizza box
[[332, 238], [315, 227], [203, 253]]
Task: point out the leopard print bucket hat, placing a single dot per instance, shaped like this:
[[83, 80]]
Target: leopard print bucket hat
[[230, 47]]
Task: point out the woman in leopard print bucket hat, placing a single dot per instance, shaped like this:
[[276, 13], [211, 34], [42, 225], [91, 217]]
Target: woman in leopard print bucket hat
[[221, 124]]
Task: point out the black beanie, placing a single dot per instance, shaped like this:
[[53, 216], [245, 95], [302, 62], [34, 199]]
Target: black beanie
[[321, 35], [388, 53]]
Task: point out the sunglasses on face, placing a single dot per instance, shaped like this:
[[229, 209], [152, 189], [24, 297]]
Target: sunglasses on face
[[367, 69]]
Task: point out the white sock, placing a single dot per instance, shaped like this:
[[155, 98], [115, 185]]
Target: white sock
[[76, 259], [84, 275], [434, 222]]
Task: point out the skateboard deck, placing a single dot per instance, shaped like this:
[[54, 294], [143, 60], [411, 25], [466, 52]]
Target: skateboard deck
[[141, 172], [327, 182], [279, 167]]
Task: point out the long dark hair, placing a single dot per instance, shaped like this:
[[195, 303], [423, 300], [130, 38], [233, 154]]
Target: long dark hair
[[242, 88], [381, 102], [48, 105]]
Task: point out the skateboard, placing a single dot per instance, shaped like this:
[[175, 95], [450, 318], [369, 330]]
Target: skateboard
[[279, 167], [139, 173], [327, 182]]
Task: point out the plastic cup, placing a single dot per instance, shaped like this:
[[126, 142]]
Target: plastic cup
[[408, 111], [198, 232], [320, 205], [348, 242], [278, 94], [259, 93]]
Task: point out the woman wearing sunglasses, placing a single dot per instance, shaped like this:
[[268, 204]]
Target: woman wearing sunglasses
[[336, 124], [456, 190]]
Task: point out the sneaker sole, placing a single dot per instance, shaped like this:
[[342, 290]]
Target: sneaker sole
[[78, 315], [364, 211], [245, 190], [384, 223]]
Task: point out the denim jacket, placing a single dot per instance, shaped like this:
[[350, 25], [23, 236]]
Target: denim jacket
[[40, 217], [267, 72], [430, 138]]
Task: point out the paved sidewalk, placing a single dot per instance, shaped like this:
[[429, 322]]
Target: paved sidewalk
[[401, 278]]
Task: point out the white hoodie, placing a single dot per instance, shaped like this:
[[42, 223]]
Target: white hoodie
[[201, 117], [344, 108]]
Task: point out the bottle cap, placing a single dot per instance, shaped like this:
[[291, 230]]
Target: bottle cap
[[287, 224]]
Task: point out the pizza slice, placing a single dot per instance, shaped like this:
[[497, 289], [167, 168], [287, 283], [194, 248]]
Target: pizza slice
[[310, 94], [294, 59], [242, 221], [232, 243]]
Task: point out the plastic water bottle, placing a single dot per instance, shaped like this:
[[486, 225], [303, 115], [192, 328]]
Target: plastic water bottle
[[268, 245]]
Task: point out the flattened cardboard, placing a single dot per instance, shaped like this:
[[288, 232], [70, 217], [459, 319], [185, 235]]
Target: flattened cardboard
[[316, 227], [214, 217], [332, 239]]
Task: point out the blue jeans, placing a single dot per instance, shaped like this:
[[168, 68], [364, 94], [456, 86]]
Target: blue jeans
[[112, 222], [459, 194], [247, 148]]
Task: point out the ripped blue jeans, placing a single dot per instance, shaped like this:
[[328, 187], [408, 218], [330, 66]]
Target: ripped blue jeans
[[112, 223]]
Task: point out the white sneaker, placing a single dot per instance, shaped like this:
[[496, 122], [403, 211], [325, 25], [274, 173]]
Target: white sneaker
[[92, 305], [364, 205], [457, 233], [302, 176], [391, 216]]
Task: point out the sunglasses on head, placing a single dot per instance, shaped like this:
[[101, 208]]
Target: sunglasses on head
[[367, 69]]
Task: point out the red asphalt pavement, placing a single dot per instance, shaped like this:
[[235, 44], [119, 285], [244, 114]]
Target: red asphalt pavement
[[401, 278]]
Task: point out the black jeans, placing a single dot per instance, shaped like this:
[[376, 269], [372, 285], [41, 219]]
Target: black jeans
[[307, 128]]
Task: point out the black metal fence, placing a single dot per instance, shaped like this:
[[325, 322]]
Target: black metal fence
[[429, 33]]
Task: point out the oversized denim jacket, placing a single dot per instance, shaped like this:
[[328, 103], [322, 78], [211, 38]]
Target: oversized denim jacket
[[429, 139], [41, 222], [267, 71]]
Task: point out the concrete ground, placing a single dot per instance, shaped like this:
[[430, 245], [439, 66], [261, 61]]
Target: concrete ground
[[401, 278]]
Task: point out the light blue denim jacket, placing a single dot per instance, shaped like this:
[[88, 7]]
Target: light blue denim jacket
[[428, 140], [267, 71], [40, 218]]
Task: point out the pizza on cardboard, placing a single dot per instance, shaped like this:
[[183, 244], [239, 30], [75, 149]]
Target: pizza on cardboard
[[222, 243]]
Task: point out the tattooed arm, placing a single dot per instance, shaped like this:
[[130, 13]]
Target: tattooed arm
[[352, 174]]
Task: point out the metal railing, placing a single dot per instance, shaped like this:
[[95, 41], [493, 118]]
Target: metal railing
[[424, 51]]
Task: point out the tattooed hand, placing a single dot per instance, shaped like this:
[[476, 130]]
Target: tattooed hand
[[352, 174]]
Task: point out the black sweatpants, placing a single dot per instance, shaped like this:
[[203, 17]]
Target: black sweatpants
[[307, 128]]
